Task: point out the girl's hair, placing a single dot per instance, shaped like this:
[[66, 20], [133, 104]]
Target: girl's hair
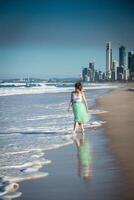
[[78, 86]]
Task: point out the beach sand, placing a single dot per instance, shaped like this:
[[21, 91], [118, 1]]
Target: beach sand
[[120, 127]]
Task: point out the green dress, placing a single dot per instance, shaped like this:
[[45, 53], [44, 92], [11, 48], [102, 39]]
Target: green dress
[[79, 109]]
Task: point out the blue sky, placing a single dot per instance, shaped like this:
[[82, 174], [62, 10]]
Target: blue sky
[[45, 38]]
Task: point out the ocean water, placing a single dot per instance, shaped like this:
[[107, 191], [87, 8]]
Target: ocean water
[[32, 122]]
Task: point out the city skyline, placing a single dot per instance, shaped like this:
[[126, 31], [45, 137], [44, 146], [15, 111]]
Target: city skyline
[[56, 38], [116, 70]]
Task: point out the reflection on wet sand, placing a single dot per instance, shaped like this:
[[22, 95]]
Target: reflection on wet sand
[[84, 157]]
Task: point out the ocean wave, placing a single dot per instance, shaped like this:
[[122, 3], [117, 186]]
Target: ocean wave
[[35, 164], [48, 128], [51, 89], [30, 176], [42, 117], [22, 157], [9, 185], [33, 90]]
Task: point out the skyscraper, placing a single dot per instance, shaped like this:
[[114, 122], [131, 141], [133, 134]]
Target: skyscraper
[[108, 59], [131, 64], [85, 72], [130, 59], [91, 71], [122, 56], [120, 73], [114, 70]]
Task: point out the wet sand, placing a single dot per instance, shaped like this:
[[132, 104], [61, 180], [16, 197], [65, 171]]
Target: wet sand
[[64, 180], [120, 127]]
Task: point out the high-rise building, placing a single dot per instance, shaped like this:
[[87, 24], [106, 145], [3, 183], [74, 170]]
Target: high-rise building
[[131, 64], [126, 74], [91, 65], [115, 64], [108, 60], [104, 76], [100, 76], [122, 56], [91, 71], [130, 59], [96, 76], [114, 70], [120, 75], [85, 73]]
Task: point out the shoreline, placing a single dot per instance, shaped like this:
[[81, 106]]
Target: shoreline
[[63, 173], [119, 128]]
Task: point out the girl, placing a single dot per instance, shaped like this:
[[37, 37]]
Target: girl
[[79, 106]]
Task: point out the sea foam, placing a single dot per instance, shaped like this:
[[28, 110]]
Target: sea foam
[[44, 88]]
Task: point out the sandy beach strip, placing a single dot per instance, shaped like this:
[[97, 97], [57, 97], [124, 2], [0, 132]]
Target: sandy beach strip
[[120, 127]]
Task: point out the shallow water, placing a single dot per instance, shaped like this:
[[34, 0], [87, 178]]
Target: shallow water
[[66, 175], [33, 124]]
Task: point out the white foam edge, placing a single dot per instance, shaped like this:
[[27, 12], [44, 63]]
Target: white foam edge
[[95, 124], [11, 196], [94, 112], [29, 177], [42, 117], [38, 164], [36, 175], [27, 151], [35, 164], [31, 129], [11, 187], [13, 182]]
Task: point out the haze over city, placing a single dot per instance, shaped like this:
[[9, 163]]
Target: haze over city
[[56, 38]]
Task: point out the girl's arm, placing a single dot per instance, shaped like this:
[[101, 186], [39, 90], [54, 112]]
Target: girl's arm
[[70, 103], [85, 100]]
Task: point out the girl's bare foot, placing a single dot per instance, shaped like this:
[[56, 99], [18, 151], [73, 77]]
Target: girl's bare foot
[[74, 131]]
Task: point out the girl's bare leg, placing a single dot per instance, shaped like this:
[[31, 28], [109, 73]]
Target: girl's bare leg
[[82, 128], [75, 126]]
